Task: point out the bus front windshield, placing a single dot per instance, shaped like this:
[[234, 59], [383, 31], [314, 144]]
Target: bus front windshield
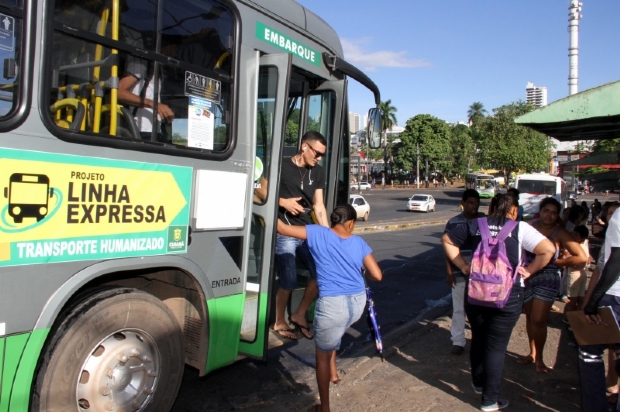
[[485, 184], [537, 187]]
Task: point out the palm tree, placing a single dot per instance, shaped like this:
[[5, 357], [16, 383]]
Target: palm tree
[[388, 116], [388, 120], [476, 111]]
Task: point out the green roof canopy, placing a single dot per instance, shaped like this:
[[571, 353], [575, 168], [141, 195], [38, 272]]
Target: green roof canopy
[[589, 115], [599, 159]]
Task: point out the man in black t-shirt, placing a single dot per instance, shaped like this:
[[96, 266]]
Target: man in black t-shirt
[[302, 181]]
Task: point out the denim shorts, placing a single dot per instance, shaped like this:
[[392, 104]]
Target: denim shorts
[[286, 250], [332, 317]]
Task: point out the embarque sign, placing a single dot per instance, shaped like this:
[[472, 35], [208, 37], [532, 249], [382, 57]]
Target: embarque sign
[[62, 208], [288, 44]]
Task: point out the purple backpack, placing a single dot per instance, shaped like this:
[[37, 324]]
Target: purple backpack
[[491, 276]]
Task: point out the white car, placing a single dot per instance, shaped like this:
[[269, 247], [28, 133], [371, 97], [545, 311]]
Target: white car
[[362, 185], [361, 206], [421, 203]]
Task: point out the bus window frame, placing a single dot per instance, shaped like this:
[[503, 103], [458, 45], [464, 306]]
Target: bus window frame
[[20, 111], [92, 139]]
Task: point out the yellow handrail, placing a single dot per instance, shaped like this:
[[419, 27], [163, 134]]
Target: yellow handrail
[[116, 13], [97, 100]]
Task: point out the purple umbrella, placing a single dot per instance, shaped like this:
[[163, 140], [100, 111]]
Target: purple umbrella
[[373, 323]]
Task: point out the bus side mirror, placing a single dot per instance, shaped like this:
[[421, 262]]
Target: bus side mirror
[[6, 192], [373, 132], [51, 192]]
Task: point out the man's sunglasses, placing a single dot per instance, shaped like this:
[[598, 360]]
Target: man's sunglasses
[[317, 154]]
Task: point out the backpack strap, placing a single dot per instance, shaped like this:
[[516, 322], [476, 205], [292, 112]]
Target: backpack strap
[[508, 227], [483, 227], [552, 238]]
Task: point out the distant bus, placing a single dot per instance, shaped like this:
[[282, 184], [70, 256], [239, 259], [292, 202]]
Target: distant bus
[[535, 187], [484, 184]]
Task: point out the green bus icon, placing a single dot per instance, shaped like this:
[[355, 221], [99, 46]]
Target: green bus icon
[[28, 196]]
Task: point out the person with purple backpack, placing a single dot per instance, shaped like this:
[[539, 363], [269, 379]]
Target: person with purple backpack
[[492, 321]]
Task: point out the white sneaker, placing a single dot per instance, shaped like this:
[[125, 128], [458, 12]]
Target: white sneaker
[[499, 405], [477, 389]]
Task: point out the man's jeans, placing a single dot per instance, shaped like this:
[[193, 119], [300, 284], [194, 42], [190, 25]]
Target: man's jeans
[[286, 249], [491, 329], [592, 368], [457, 330]]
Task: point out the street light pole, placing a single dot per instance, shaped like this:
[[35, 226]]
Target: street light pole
[[359, 173], [417, 165]]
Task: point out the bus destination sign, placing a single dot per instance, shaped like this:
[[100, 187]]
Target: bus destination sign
[[61, 208]]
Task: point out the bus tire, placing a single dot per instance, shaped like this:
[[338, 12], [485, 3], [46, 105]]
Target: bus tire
[[105, 346]]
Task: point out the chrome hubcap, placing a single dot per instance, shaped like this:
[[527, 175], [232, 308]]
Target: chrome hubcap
[[120, 374]]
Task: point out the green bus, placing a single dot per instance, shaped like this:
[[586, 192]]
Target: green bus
[[484, 184], [136, 135]]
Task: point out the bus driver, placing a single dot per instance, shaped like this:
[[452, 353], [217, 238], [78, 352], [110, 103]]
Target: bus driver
[[302, 181]]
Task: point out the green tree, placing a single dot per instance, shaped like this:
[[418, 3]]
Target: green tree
[[433, 137], [476, 112], [507, 146], [291, 134], [580, 147], [606, 146], [388, 120], [463, 150]]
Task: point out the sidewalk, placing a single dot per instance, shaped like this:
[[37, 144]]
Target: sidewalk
[[420, 374]]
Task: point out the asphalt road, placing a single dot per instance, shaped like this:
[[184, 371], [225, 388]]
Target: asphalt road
[[414, 273], [389, 206]]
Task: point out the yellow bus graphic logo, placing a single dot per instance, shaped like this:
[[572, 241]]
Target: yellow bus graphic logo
[[28, 196]]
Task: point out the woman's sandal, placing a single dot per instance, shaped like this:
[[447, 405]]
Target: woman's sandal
[[315, 408], [285, 333], [525, 360]]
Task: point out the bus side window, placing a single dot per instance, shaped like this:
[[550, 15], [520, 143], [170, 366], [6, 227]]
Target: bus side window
[[10, 57], [174, 87]]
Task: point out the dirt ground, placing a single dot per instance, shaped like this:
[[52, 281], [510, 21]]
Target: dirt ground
[[420, 374]]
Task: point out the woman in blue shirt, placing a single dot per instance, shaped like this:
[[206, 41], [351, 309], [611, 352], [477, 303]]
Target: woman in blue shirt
[[339, 256]]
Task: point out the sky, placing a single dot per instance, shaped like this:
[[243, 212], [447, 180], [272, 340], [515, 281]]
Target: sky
[[439, 56]]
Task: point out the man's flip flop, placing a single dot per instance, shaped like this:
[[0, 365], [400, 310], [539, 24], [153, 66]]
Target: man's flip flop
[[285, 333], [305, 330]]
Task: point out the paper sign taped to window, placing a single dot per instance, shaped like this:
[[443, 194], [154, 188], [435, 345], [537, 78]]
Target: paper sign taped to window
[[7, 32]]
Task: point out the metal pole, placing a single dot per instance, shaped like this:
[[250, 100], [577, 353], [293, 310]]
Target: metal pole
[[417, 165], [359, 173]]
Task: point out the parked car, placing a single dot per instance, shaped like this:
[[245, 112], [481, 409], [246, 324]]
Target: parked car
[[421, 203], [362, 185], [361, 206]]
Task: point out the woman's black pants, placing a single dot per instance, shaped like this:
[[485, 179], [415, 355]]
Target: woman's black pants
[[491, 329]]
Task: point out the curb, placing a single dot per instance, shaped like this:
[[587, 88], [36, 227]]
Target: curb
[[399, 226]]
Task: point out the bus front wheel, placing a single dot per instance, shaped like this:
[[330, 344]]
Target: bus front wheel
[[118, 349]]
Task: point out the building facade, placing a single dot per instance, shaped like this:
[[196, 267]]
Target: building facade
[[535, 95], [354, 122]]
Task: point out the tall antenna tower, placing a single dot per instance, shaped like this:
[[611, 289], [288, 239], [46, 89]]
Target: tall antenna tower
[[574, 10]]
